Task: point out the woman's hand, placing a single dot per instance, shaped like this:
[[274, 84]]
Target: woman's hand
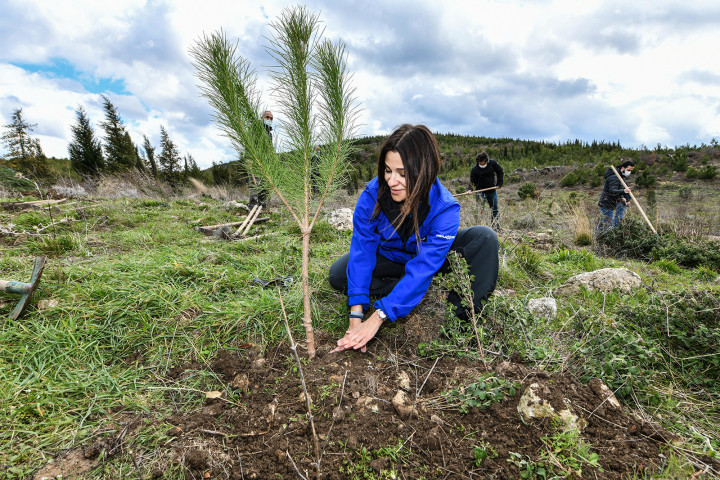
[[359, 334]]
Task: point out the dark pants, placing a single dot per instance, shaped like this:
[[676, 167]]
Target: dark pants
[[258, 195], [492, 200], [478, 245]]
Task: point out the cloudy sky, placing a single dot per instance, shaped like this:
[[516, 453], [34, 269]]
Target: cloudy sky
[[641, 72]]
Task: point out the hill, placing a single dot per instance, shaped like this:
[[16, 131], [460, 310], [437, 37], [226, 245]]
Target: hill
[[150, 351]]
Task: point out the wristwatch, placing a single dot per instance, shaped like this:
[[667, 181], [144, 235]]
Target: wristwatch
[[381, 314]]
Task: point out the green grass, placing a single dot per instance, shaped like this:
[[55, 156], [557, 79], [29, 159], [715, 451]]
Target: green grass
[[125, 270]]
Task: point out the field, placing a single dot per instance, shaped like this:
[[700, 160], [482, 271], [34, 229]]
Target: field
[[150, 352]]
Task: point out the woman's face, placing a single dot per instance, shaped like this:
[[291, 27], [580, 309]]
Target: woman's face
[[395, 176]]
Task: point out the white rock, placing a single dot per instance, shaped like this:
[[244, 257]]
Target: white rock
[[605, 279], [69, 192], [341, 219], [404, 380], [403, 405], [543, 307], [46, 304], [531, 405]]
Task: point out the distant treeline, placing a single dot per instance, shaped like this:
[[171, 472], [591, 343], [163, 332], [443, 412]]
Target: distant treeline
[[114, 152]]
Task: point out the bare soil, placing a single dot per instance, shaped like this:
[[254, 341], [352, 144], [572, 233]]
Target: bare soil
[[259, 428]]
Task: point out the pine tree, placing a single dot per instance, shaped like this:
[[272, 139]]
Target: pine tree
[[86, 156], [191, 168], [310, 82], [119, 148], [25, 153], [150, 155], [169, 158]]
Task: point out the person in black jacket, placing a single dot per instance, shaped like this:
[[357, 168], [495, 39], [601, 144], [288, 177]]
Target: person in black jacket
[[487, 173], [614, 198], [258, 194]]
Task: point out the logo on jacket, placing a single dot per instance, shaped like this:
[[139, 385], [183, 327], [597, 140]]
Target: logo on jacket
[[446, 237]]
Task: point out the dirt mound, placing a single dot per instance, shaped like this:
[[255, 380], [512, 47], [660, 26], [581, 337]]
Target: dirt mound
[[259, 426]]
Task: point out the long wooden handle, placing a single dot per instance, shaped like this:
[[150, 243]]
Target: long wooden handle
[[634, 199], [475, 191], [250, 215]]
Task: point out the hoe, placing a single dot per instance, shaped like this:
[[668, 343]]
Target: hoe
[[24, 289]]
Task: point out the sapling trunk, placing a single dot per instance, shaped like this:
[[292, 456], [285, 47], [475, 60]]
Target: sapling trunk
[[307, 314]]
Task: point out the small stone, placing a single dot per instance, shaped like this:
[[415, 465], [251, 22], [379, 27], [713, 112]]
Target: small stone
[[437, 420], [302, 397], [270, 410], [213, 394], [433, 439], [404, 380], [403, 406], [280, 455], [240, 382], [47, 304], [543, 307], [356, 394], [338, 414], [174, 432]]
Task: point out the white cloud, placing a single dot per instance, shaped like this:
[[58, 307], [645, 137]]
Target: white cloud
[[640, 72]]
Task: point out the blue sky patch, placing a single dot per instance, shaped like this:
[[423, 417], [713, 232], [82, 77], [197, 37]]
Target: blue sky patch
[[61, 68]]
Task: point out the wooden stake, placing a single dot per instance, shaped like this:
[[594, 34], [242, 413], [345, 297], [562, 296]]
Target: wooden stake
[[475, 191], [247, 219], [637, 204], [252, 220], [210, 229]]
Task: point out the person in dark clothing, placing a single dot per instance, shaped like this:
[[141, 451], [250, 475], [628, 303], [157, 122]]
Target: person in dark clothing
[[405, 223], [259, 195], [315, 170], [487, 173], [614, 198]]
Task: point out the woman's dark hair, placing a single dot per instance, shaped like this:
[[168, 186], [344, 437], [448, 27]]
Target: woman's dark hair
[[420, 156], [626, 163], [482, 157]]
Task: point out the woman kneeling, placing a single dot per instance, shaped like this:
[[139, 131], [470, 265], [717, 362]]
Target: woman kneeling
[[404, 225]]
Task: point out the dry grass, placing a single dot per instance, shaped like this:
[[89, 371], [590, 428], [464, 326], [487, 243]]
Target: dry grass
[[580, 223]]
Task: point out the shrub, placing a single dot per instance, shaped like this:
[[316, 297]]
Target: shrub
[[595, 182], [687, 325], [708, 172], [679, 163], [685, 193], [527, 259], [580, 258], [669, 266], [645, 180], [583, 239], [528, 189], [688, 254], [525, 222], [691, 173], [570, 179], [705, 274], [631, 239]]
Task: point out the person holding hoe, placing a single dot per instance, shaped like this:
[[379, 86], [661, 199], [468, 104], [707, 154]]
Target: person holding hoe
[[487, 175], [404, 225], [614, 198]]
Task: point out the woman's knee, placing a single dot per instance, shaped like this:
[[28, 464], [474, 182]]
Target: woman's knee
[[484, 238], [337, 276]]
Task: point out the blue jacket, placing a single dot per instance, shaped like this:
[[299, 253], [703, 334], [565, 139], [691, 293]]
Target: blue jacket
[[377, 235]]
